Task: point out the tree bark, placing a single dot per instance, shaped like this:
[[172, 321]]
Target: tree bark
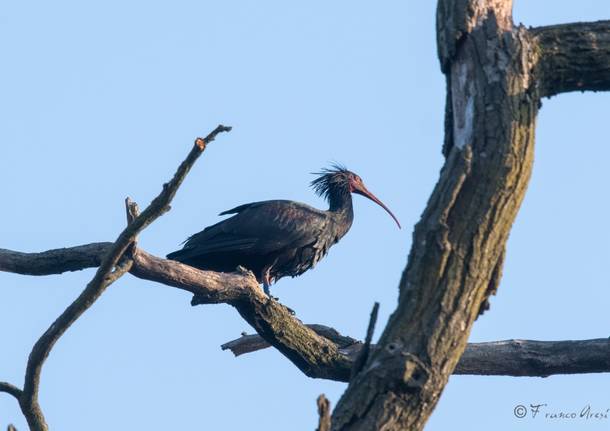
[[518, 358], [323, 413], [112, 266], [55, 261], [322, 351], [573, 57], [535, 358], [459, 242]]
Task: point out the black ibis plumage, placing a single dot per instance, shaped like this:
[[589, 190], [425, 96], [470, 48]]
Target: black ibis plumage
[[277, 238]]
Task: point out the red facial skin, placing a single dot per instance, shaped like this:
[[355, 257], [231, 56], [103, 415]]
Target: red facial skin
[[357, 186]]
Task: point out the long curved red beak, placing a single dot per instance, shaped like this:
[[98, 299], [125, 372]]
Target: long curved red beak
[[360, 189]]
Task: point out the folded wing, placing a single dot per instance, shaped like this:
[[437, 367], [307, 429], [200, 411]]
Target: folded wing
[[256, 231]]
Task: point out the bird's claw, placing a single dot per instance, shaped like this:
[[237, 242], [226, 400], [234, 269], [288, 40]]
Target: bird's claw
[[275, 298], [244, 271]]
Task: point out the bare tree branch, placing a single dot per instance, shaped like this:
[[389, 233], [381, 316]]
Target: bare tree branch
[[252, 343], [54, 261], [518, 358], [132, 211], [510, 358], [209, 287], [108, 271], [536, 358], [363, 355], [316, 356], [323, 413], [573, 57], [313, 354], [11, 389]]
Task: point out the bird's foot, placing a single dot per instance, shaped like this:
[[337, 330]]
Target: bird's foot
[[271, 297], [275, 298], [266, 289], [244, 271]]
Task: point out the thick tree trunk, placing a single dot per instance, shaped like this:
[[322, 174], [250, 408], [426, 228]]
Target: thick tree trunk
[[458, 245]]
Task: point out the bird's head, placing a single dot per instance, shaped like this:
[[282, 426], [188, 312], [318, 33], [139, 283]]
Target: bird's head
[[336, 183]]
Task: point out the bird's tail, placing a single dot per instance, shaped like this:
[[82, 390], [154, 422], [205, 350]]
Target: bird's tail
[[176, 255]]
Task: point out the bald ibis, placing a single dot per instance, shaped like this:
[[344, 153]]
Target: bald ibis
[[277, 238]]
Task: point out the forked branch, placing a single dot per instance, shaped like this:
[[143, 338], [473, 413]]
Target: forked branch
[[111, 267]]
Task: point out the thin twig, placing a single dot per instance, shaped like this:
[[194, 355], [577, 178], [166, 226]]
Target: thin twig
[[132, 210], [323, 413], [102, 279], [366, 348]]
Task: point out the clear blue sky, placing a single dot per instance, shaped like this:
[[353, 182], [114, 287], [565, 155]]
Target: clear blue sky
[[100, 101]]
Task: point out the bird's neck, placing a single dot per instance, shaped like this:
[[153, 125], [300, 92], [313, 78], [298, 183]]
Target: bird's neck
[[342, 214], [340, 203]]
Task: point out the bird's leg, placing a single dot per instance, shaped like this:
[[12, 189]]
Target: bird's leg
[[266, 277]]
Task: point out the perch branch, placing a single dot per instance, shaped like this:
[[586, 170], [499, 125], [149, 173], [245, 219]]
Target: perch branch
[[313, 354], [510, 358]]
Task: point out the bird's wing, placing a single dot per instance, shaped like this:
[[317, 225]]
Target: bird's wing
[[257, 228]]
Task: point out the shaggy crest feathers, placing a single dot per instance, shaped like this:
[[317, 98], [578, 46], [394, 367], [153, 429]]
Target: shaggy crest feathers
[[330, 179]]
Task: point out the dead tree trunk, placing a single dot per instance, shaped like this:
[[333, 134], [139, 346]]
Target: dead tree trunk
[[496, 74]]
